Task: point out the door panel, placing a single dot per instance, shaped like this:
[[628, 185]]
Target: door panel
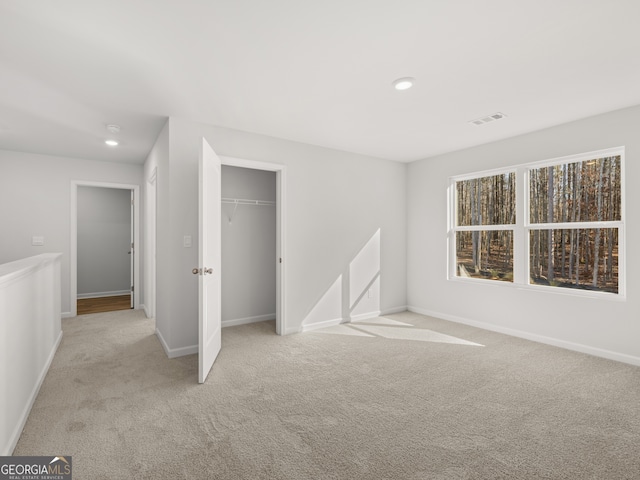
[[133, 252], [209, 259]]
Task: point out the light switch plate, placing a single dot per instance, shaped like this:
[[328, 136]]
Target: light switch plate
[[187, 241]]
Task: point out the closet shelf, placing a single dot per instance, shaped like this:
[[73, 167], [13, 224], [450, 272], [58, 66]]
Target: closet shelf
[[246, 201]]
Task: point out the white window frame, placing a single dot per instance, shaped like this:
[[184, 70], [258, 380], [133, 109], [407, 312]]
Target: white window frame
[[454, 227], [523, 227]]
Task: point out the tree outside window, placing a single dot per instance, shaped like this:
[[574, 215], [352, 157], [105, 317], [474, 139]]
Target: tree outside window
[[565, 231], [486, 213], [575, 217]]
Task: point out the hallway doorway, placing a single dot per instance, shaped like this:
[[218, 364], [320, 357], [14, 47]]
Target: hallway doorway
[[87, 306], [104, 238]]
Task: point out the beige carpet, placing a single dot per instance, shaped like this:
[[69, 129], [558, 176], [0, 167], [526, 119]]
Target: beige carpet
[[351, 402]]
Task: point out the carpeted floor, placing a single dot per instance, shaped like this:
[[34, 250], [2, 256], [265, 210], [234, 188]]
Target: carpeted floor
[[350, 402]]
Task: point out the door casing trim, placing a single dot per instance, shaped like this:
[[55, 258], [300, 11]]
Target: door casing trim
[[281, 222], [73, 243]]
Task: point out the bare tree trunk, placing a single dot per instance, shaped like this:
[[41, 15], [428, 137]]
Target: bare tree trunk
[[550, 252], [564, 218], [573, 219], [577, 218], [474, 216], [535, 264], [479, 222], [596, 246], [610, 231], [512, 218], [490, 200]]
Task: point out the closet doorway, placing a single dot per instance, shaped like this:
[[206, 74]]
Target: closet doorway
[[248, 233], [252, 226]]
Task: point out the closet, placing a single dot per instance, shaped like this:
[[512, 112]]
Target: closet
[[248, 245]]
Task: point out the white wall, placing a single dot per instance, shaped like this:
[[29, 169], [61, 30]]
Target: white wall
[[149, 217], [598, 326], [104, 241], [337, 205], [30, 332], [248, 246], [156, 169], [35, 194]]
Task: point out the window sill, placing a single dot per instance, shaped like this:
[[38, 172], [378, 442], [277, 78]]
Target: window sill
[[567, 292]]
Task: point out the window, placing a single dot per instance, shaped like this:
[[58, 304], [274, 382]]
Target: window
[[485, 218], [557, 223], [574, 229]]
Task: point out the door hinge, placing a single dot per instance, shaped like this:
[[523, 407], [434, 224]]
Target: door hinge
[[132, 288]]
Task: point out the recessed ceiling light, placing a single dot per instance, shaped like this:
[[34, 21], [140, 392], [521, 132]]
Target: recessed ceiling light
[[404, 83], [113, 128], [111, 143]]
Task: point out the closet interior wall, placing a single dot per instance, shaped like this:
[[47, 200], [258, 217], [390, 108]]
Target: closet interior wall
[[248, 245]]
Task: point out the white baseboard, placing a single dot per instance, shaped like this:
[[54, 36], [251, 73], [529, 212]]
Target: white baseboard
[[317, 325], [15, 436], [390, 311], [364, 316], [66, 315], [338, 321], [243, 321], [291, 331], [104, 294], [175, 352], [142, 306], [576, 347]]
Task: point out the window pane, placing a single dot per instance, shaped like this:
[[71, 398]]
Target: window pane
[[587, 191], [487, 200], [585, 258], [485, 254]]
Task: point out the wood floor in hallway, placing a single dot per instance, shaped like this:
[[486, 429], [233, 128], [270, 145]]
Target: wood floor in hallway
[[103, 304]]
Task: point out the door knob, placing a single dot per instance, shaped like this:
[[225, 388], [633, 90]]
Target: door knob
[[205, 271]]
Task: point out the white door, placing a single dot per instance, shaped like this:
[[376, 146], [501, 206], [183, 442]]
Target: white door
[[209, 259], [133, 253]]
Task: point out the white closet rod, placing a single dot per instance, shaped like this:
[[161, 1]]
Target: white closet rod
[[245, 201]]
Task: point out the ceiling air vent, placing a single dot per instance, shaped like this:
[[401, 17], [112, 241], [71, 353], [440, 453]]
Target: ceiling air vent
[[488, 119]]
